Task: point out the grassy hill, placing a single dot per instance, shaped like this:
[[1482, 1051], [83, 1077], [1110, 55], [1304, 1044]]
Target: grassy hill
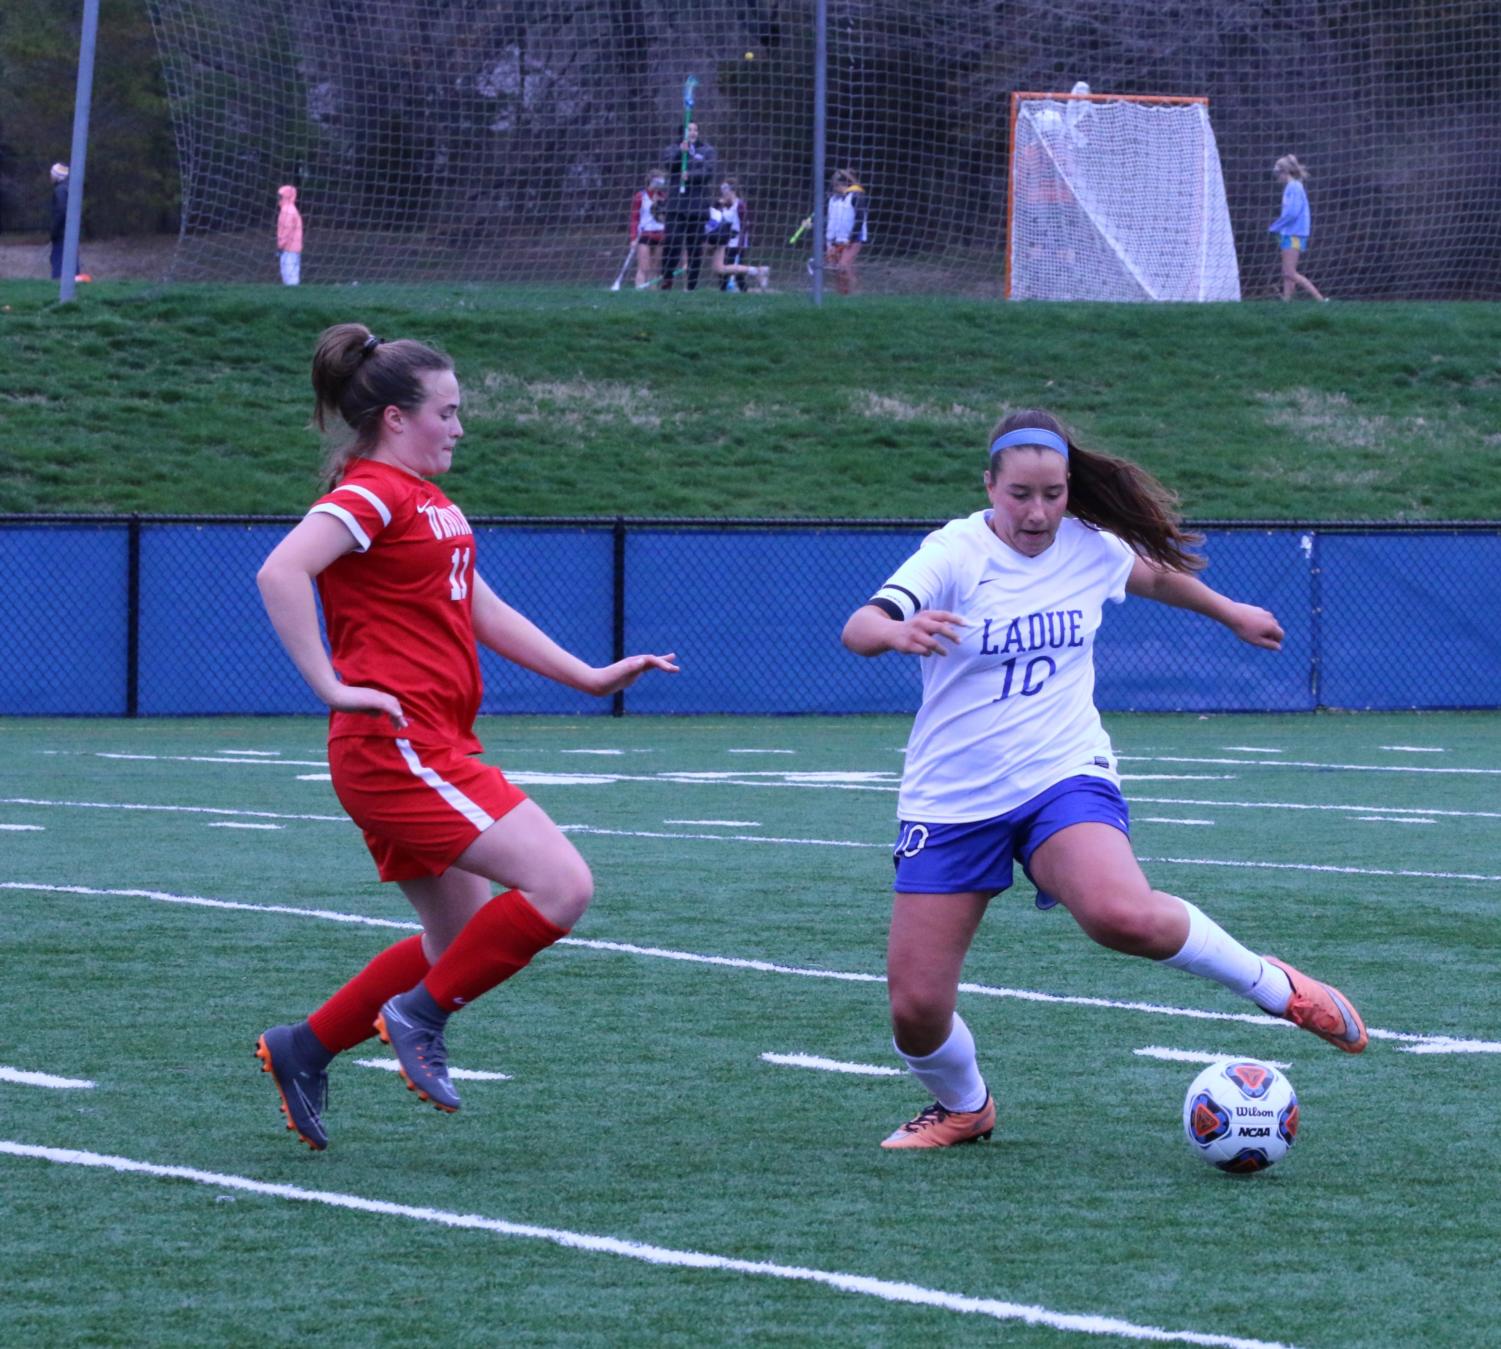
[[195, 398]]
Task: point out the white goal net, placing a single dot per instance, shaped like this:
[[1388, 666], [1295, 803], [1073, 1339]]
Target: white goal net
[[1117, 198]]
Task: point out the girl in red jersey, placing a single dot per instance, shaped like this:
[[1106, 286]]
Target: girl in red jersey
[[393, 561]]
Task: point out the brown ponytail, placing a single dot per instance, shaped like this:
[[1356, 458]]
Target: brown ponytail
[[1115, 495], [356, 377]]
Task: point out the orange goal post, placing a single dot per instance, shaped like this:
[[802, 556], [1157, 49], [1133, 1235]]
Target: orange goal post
[[1116, 197]]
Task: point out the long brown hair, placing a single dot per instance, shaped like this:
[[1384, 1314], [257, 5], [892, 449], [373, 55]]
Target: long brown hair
[[1115, 495], [356, 377]]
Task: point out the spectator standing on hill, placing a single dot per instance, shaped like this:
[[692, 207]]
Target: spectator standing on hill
[[689, 163], [725, 234], [289, 236], [393, 561], [1008, 760], [59, 229], [1293, 226], [647, 228], [846, 230]]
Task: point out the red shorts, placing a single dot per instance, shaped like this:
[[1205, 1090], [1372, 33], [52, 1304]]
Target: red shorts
[[420, 807]]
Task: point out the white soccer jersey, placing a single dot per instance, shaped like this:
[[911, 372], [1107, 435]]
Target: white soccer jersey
[[1010, 710]]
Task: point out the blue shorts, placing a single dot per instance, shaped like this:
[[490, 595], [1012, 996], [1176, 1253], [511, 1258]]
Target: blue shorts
[[1298, 243], [977, 855]]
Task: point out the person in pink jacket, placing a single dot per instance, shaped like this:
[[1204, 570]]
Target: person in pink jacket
[[289, 236]]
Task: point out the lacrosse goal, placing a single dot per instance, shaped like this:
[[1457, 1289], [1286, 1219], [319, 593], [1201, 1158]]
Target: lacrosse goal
[[1116, 197]]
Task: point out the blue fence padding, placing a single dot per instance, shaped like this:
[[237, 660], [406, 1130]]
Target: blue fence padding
[[206, 645], [1151, 658], [562, 579], [755, 617], [63, 620], [1378, 619], [1401, 631]]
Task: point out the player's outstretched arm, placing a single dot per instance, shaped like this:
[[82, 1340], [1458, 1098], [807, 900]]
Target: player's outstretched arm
[[514, 636], [286, 585], [1249, 622], [870, 631]]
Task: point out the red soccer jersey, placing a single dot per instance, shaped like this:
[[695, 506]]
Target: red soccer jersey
[[398, 610]]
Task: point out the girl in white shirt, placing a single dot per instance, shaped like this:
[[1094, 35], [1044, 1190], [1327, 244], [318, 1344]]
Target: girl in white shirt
[[1008, 760]]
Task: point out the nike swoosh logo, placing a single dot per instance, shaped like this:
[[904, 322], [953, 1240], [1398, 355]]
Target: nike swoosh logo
[[987, 580]]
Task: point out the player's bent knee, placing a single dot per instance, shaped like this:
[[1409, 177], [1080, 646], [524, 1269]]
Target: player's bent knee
[[565, 897], [1120, 925]]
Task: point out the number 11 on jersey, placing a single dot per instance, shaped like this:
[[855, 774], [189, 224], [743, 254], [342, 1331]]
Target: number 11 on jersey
[[458, 575]]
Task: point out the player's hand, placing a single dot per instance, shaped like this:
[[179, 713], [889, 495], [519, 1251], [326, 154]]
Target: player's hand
[[372, 702], [925, 633], [621, 675], [1257, 626]]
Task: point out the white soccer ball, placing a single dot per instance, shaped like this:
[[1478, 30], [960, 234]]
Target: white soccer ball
[[1241, 1115]]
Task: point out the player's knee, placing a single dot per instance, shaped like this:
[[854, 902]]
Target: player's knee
[[920, 1018], [567, 893], [1117, 922]]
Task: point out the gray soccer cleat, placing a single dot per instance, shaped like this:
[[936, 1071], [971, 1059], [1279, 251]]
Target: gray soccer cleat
[[303, 1088], [421, 1055]]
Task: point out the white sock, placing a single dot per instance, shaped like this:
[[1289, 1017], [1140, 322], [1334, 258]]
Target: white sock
[[1212, 953], [950, 1072]]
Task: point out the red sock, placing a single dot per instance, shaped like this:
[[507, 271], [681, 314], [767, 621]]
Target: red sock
[[497, 942], [345, 1020]]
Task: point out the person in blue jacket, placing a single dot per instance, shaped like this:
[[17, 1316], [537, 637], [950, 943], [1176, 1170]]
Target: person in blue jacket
[[1293, 225]]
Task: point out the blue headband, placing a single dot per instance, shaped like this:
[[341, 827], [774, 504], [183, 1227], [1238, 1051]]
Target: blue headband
[[1030, 435]]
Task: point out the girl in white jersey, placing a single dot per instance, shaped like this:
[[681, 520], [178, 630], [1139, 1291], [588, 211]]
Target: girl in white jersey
[[1008, 761]]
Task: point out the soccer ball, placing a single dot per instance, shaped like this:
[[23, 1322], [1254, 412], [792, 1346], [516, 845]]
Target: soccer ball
[[1241, 1115]]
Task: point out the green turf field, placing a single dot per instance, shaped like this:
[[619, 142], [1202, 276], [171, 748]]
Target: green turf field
[[196, 399], [171, 888]]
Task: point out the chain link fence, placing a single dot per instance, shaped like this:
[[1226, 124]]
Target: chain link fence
[[160, 616]]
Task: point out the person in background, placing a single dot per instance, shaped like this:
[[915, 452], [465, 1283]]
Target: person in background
[[726, 238], [1293, 226], [689, 163], [647, 227], [1008, 760], [492, 878], [59, 227], [289, 236], [846, 230]]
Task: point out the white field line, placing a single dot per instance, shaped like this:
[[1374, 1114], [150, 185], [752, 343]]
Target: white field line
[[22, 1078], [1250, 749], [1166, 861], [883, 1289], [241, 824], [757, 966], [563, 779], [1324, 867], [204, 758], [607, 753], [719, 838], [760, 751], [1394, 819], [1169, 819], [255, 753], [190, 810], [23, 828], [833, 1065], [1198, 1056], [1414, 749], [462, 1074], [1304, 805], [1178, 777], [1305, 763], [727, 824], [315, 777]]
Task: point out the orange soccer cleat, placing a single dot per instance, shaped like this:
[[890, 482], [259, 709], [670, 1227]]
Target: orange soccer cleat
[[937, 1127], [1322, 1009]]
